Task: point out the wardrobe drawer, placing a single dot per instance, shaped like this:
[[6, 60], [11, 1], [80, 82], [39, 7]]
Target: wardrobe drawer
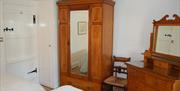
[[86, 86], [81, 84], [92, 87]]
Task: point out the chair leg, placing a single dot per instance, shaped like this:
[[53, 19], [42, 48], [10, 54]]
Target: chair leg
[[125, 88], [107, 87]]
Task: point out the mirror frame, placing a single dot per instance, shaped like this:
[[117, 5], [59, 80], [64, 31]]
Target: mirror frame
[[76, 8], [153, 39]]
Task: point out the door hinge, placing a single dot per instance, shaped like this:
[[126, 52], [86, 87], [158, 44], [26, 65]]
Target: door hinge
[[1, 39], [34, 19]]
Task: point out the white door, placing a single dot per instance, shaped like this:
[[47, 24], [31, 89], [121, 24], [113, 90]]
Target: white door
[[21, 40]]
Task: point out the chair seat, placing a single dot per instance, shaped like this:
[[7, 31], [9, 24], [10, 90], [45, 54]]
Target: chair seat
[[114, 81]]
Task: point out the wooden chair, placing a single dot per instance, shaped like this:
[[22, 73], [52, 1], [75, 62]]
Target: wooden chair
[[115, 80]]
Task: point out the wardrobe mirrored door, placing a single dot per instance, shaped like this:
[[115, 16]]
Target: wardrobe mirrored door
[[79, 41]]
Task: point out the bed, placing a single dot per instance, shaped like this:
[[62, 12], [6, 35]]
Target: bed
[[13, 83], [67, 88]]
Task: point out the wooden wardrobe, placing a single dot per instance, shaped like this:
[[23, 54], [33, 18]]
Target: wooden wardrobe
[[100, 42]]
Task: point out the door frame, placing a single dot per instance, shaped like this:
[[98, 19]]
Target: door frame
[[2, 47]]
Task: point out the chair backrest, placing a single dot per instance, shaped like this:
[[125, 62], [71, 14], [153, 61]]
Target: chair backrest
[[120, 68]]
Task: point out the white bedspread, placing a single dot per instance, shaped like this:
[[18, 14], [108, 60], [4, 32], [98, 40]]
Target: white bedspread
[[12, 83], [67, 88]]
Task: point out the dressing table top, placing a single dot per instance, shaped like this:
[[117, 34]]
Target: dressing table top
[[171, 74]]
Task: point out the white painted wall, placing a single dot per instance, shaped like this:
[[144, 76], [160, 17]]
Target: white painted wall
[[47, 33], [132, 27], [133, 24]]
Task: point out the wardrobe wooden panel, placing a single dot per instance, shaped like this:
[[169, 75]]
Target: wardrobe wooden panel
[[63, 37], [96, 35], [63, 15], [96, 15], [107, 39]]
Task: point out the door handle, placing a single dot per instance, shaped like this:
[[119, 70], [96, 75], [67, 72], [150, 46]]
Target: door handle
[[1, 39], [8, 29], [34, 71], [168, 35]]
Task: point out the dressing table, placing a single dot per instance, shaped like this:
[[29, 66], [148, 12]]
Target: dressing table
[[160, 70]]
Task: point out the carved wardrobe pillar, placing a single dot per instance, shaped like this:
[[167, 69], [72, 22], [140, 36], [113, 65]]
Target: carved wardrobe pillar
[[97, 26]]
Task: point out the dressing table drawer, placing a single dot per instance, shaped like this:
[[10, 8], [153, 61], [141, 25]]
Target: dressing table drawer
[[157, 82], [162, 65], [146, 80], [137, 74]]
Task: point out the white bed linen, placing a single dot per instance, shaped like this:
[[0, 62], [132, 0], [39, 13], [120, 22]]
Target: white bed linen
[[67, 88], [12, 83]]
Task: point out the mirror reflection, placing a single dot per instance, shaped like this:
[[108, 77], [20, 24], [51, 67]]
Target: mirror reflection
[[79, 41], [168, 40]]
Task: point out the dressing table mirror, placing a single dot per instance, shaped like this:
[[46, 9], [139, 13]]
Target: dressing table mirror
[[168, 40], [164, 51], [167, 36]]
